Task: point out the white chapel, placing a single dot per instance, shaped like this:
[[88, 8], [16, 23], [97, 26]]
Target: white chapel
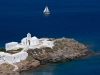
[[31, 42]]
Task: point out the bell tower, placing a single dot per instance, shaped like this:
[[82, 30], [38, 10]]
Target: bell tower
[[28, 38]]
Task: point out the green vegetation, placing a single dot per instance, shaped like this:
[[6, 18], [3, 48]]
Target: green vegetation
[[3, 49], [10, 51], [14, 51], [20, 49]]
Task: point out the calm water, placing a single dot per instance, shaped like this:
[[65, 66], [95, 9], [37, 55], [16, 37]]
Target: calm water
[[78, 19]]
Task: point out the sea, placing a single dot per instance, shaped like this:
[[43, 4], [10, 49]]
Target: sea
[[77, 19]]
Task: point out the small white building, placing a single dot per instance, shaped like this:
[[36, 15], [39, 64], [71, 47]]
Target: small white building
[[11, 46], [48, 44], [12, 58], [34, 41], [16, 57]]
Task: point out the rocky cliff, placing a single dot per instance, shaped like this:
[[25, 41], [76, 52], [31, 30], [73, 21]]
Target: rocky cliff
[[64, 49], [7, 69]]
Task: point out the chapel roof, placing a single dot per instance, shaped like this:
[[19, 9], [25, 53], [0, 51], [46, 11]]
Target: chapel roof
[[34, 38]]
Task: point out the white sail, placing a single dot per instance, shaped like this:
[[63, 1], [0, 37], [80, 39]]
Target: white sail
[[46, 10]]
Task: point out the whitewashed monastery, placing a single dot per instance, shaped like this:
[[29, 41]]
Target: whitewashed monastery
[[26, 43]]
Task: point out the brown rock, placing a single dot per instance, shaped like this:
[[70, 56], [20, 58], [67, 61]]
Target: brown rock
[[27, 65], [64, 49], [8, 73], [7, 69]]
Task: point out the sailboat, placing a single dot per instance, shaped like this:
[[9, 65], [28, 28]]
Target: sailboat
[[46, 10]]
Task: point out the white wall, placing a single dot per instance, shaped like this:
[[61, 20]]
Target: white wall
[[23, 41], [11, 46], [10, 59], [16, 57], [1, 57], [34, 42], [48, 44]]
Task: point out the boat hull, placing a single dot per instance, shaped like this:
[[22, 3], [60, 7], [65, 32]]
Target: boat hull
[[47, 13]]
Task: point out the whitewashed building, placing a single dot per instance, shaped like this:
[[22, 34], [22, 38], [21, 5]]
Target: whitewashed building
[[26, 43], [32, 42], [2, 57], [16, 57], [48, 44], [12, 58], [11, 46]]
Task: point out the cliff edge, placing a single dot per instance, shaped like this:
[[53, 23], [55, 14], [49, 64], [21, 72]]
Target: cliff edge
[[63, 49]]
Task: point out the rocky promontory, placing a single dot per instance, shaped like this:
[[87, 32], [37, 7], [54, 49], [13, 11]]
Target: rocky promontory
[[64, 49]]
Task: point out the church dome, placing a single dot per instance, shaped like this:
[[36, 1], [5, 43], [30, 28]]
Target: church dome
[[34, 38]]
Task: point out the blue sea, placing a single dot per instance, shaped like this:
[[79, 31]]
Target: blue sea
[[78, 19]]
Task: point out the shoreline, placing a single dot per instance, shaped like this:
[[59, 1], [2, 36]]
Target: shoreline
[[40, 66], [46, 63], [64, 50]]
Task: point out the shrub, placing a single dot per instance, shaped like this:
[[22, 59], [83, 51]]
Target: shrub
[[14, 51], [3, 49]]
